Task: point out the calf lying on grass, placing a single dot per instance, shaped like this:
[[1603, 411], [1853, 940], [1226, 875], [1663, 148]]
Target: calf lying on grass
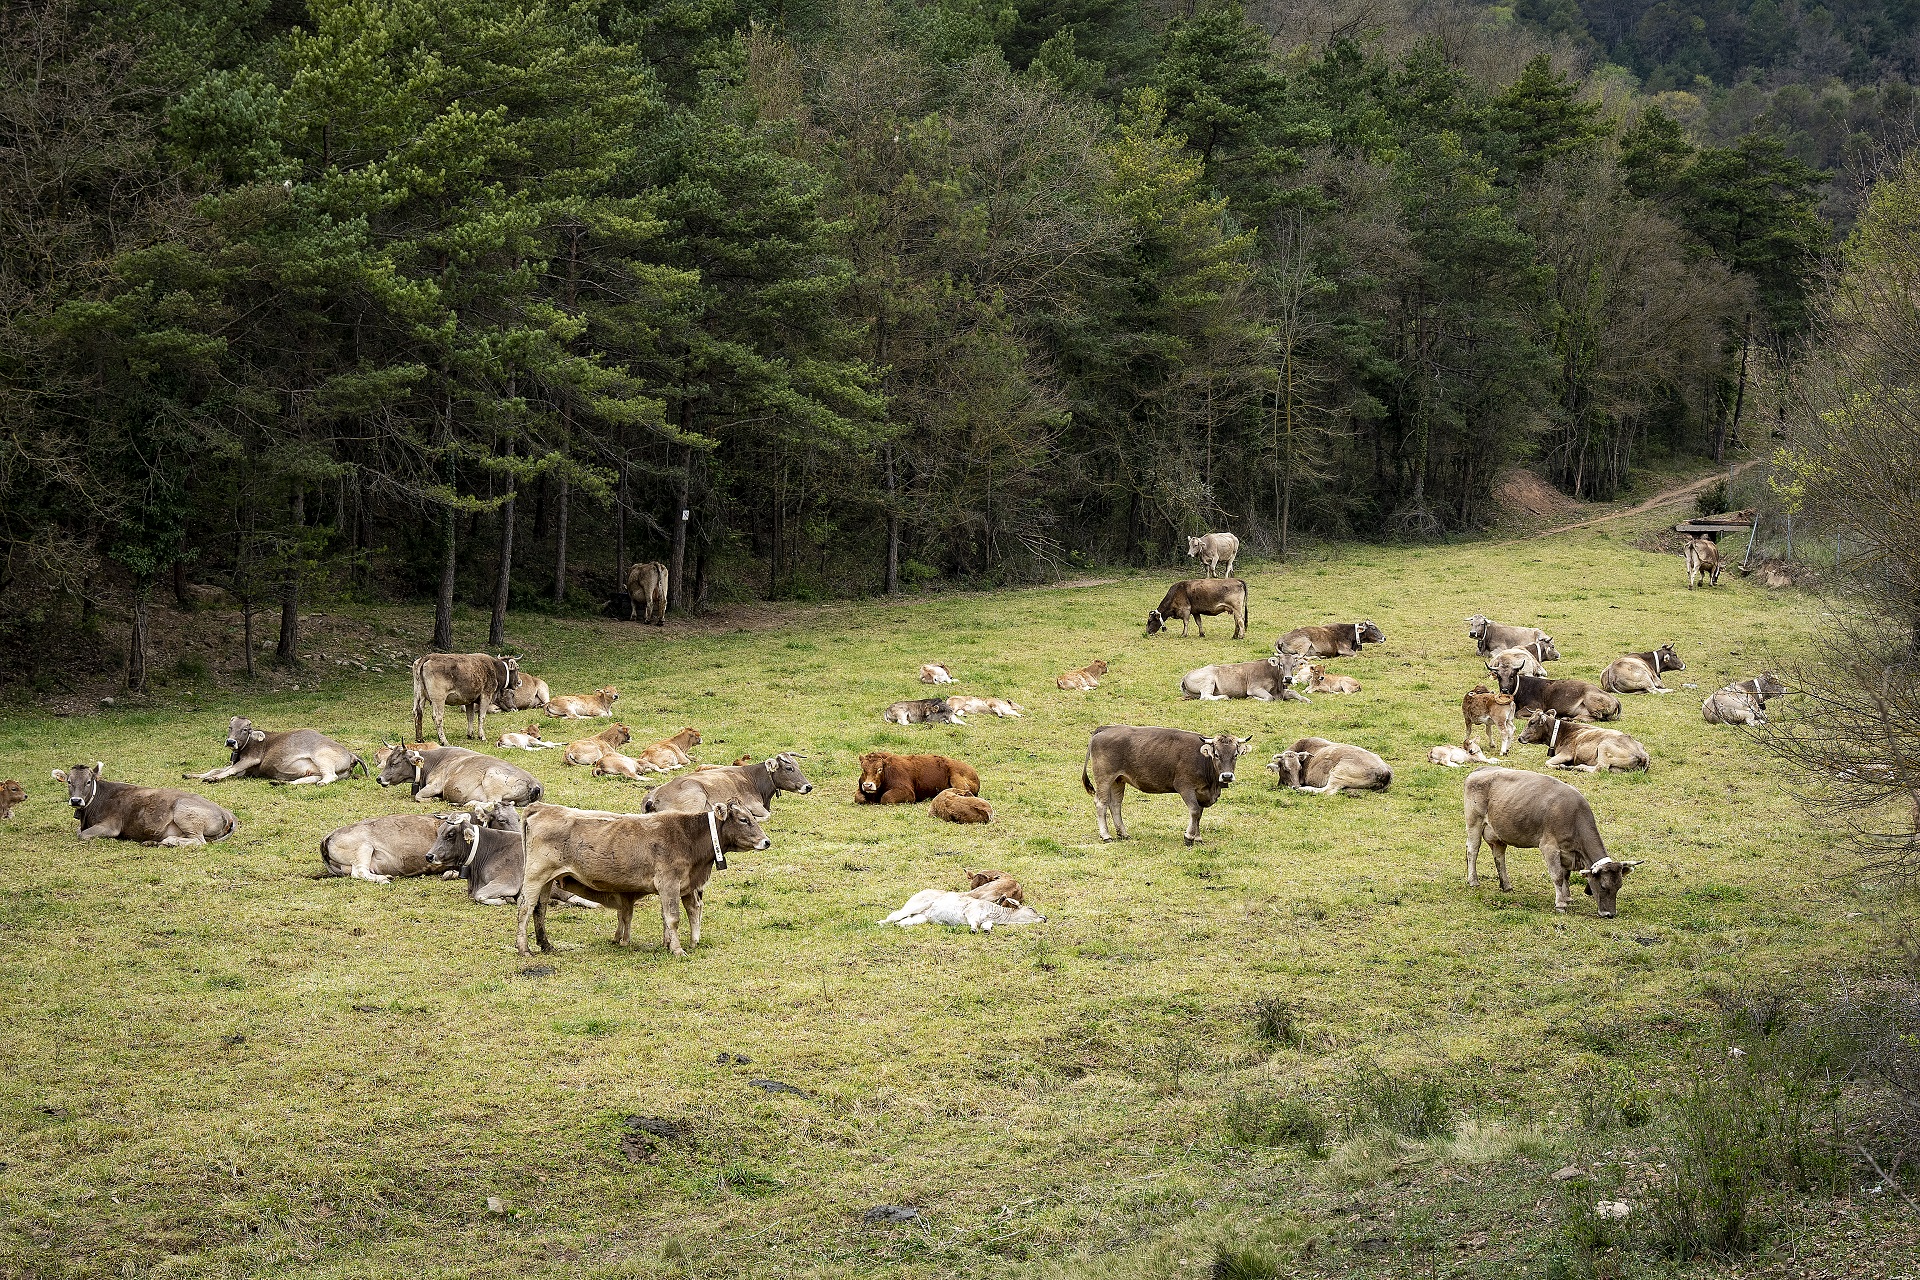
[[1453, 757], [583, 706], [11, 794], [968, 704], [922, 711], [957, 806], [995, 886], [935, 673], [529, 741], [589, 750], [1083, 678], [944, 906]]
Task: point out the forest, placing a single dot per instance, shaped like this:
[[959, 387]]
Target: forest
[[476, 302]]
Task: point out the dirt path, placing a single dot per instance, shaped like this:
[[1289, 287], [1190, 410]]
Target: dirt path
[[1658, 500]]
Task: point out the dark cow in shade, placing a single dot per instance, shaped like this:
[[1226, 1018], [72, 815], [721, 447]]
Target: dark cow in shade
[[1574, 699]]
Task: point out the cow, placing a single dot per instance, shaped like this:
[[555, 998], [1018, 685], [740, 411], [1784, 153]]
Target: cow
[[995, 886], [527, 693], [456, 775], [1703, 561], [751, 786], [945, 906], [1454, 757], [1337, 640], [955, 806], [1157, 762], [621, 858], [1572, 698], [935, 673], [471, 680], [1083, 678], [583, 706], [1481, 709], [1640, 672], [1320, 682], [886, 778], [488, 850], [1743, 701], [1586, 747], [968, 704], [589, 750], [379, 849], [1524, 660], [11, 794], [612, 764], [647, 594], [1325, 768], [529, 741], [151, 815], [1532, 811], [292, 756], [1212, 548], [1263, 680], [922, 711], [1491, 637], [1199, 598], [671, 753]]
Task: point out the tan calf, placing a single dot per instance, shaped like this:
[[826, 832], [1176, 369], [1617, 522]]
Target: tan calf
[[1321, 682], [1491, 710], [957, 806], [589, 750], [583, 706], [1084, 678], [11, 794]]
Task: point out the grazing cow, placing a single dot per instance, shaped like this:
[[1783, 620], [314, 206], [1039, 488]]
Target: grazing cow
[[647, 593], [886, 778], [944, 906], [955, 806], [150, 815], [1157, 762], [1574, 699], [1338, 640], [751, 786], [1084, 678], [1263, 679], [583, 706], [995, 886], [1199, 598], [589, 750], [456, 775], [1490, 711], [1532, 811], [1320, 682], [1523, 660], [935, 673], [1212, 548], [1324, 768], [1703, 561], [1586, 747], [471, 680], [527, 693], [1491, 637], [529, 741], [379, 849], [292, 756], [922, 711], [621, 858], [488, 850], [1453, 757], [11, 794], [1640, 672], [968, 704], [1743, 701]]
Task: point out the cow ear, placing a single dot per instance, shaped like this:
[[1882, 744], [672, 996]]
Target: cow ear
[[1206, 749], [99, 768], [773, 764], [59, 775], [257, 736], [718, 811]]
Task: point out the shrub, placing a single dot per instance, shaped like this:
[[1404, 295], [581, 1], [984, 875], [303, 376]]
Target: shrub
[[1615, 1101], [1273, 1021], [1413, 1106], [1266, 1120]]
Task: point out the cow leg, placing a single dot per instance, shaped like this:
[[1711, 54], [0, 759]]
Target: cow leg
[[1199, 624], [1557, 871], [623, 921], [670, 919], [363, 870], [1239, 625], [100, 831], [1100, 812], [1229, 573], [1260, 695], [690, 904], [440, 720], [1194, 810], [1474, 832], [219, 775]]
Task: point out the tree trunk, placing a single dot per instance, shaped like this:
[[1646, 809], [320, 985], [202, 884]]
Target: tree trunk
[[892, 586], [180, 585], [137, 642], [699, 578], [1732, 434], [287, 653], [443, 605], [503, 578], [682, 516], [620, 528], [561, 505], [246, 623]]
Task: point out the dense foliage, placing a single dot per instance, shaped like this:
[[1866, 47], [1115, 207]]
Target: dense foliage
[[483, 299]]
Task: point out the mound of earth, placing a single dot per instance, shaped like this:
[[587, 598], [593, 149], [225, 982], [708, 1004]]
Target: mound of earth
[[1529, 492]]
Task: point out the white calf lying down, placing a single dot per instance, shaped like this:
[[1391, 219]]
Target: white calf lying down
[[942, 906], [1453, 757]]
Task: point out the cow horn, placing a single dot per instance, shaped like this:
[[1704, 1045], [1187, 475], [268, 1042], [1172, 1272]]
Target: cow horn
[[1635, 863]]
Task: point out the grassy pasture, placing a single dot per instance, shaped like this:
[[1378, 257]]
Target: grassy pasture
[[218, 1064]]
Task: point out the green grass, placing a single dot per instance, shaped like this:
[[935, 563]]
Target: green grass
[[217, 1063]]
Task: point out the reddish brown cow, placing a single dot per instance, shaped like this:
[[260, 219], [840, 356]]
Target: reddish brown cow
[[886, 778], [11, 794]]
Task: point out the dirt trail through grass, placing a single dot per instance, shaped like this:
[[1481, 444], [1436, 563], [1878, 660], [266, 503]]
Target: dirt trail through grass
[[1663, 499]]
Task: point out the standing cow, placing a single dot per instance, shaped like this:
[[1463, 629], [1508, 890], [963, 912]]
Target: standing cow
[[1703, 561], [1514, 807], [471, 680], [1212, 548], [647, 594], [292, 756], [1157, 762], [150, 815], [1195, 598]]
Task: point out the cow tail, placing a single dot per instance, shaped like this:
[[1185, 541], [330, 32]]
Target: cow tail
[[1085, 780], [233, 825], [326, 851], [359, 764]]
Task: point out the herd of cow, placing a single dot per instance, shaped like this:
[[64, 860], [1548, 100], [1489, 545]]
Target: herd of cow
[[510, 846]]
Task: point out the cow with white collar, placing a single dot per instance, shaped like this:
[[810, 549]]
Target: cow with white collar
[[1336, 640], [294, 757], [1506, 807], [1641, 672], [1743, 701], [487, 848], [150, 815]]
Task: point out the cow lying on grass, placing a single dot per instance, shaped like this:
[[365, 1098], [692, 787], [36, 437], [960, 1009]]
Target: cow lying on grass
[[151, 815], [1586, 747], [455, 775], [752, 786], [1084, 678], [1318, 681], [935, 673], [957, 806], [1523, 660], [1574, 699], [1743, 701], [922, 711], [1454, 757], [886, 778], [487, 848], [527, 693], [11, 794], [529, 741], [944, 906], [1157, 762], [589, 750], [1338, 640], [1263, 680], [1640, 672], [968, 704], [292, 756], [1491, 637], [583, 706], [1320, 767], [1513, 807], [378, 849]]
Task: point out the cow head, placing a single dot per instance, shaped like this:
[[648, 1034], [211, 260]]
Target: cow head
[[83, 782], [1543, 649], [241, 734], [1289, 668], [11, 794], [615, 735], [1507, 678], [456, 842], [610, 694], [873, 766], [1369, 633], [1668, 659], [394, 769], [1476, 626], [509, 672], [785, 769], [736, 830], [1221, 751], [1603, 880], [1289, 767], [1193, 545], [1098, 667], [1765, 686], [1155, 622], [1539, 729]]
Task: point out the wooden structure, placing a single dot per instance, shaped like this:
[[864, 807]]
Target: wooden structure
[[1714, 526]]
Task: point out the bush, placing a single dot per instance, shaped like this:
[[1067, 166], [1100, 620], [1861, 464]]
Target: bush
[[1615, 1101], [1273, 1021], [1412, 1106], [1266, 1120]]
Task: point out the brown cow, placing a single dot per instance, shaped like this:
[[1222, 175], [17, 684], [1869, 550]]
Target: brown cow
[[1640, 672], [150, 815], [1084, 678], [529, 692], [487, 848], [752, 786], [455, 774], [955, 806], [583, 706], [1489, 711], [1491, 637], [1326, 768], [11, 794], [621, 858], [589, 750], [379, 849], [1514, 807], [1574, 699], [291, 756], [1320, 682], [1586, 747], [1703, 561], [671, 753], [647, 593], [471, 680], [1198, 598], [995, 886], [1339, 640], [1157, 762], [886, 778]]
